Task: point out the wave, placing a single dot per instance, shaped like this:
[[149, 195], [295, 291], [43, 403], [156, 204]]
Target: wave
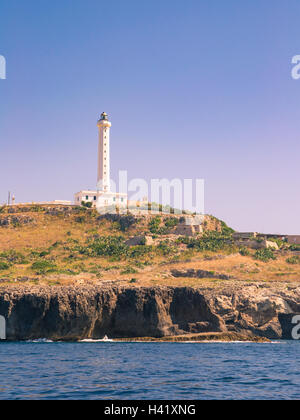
[[103, 340], [40, 340]]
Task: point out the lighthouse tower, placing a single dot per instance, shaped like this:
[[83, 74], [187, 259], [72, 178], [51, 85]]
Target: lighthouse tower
[[103, 180], [103, 198]]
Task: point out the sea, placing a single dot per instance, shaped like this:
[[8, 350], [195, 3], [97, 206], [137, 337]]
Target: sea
[[97, 370]]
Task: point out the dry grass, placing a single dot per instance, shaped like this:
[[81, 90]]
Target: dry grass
[[151, 270]]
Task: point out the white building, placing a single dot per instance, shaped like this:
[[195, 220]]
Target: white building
[[103, 196]]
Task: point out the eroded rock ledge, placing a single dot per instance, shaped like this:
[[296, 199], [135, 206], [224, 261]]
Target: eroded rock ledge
[[75, 313]]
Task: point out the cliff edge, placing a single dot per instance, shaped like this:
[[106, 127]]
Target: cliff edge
[[90, 312]]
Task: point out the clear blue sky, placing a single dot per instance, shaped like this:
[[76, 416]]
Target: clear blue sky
[[194, 88]]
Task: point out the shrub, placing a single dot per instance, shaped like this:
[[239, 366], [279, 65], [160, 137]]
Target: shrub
[[226, 230], [295, 247], [183, 240], [139, 251], [43, 267], [36, 209], [112, 246], [54, 245], [279, 242], [293, 260], [3, 266], [244, 251], [44, 254], [155, 228], [126, 222], [87, 204], [264, 255], [171, 222], [210, 241], [13, 256], [154, 224], [165, 248], [80, 219], [129, 270]]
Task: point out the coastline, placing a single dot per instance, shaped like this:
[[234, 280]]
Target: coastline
[[254, 313]]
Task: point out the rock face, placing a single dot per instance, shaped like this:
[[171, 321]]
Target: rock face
[[74, 313], [264, 244]]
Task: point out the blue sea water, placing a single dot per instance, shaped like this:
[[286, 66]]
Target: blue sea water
[[111, 370]]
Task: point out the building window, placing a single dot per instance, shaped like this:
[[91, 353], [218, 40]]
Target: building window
[[114, 198], [87, 197], [95, 198], [122, 199]]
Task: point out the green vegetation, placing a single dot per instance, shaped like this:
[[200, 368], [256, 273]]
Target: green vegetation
[[125, 222], [154, 224], [279, 242], [166, 248], [294, 248], [245, 252], [129, 270], [156, 228], [293, 260], [139, 251], [13, 256], [210, 241], [226, 230], [36, 209], [80, 219], [87, 204], [68, 241], [43, 267], [3, 266], [109, 246], [171, 222], [264, 255]]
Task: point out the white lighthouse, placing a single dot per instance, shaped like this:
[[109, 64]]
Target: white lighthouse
[[103, 181], [103, 197]]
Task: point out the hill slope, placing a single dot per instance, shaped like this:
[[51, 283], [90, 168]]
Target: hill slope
[[65, 245]]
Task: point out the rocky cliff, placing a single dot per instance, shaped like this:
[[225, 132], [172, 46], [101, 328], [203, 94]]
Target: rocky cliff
[[73, 313]]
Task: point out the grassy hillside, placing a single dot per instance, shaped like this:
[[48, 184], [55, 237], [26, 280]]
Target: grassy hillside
[[73, 245]]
